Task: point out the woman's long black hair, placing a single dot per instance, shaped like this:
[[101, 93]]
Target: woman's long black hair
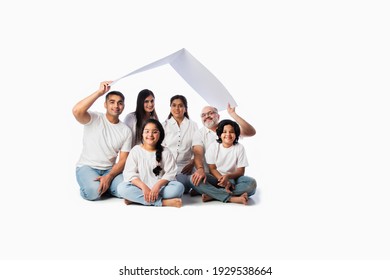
[[140, 113]]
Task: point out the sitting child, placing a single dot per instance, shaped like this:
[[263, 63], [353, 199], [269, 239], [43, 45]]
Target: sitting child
[[227, 160]]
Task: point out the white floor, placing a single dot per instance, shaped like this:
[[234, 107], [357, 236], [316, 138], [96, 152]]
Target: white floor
[[190, 201]]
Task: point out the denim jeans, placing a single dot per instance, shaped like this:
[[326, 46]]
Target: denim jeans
[[86, 177], [185, 180], [173, 189], [243, 184]]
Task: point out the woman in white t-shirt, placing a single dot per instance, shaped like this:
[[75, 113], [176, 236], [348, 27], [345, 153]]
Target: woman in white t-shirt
[[179, 132], [227, 160], [150, 170], [144, 110]]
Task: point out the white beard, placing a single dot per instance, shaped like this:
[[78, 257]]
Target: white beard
[[209, 124]]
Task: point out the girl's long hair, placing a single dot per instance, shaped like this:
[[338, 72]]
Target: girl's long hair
[[159, 147]]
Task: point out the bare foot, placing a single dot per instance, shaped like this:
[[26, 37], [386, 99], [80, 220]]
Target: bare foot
[[174, 202], [243, 199], [206, 198], [127, 202]]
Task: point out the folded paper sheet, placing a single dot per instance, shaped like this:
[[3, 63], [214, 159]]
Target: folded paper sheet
[[196, 75]]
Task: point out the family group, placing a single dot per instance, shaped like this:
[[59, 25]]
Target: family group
[[144, 161]]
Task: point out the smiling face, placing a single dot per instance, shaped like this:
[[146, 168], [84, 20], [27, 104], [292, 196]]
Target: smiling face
[[178, 109], [209, 117], [228, 136], [150, 135], [149, 104], [114, 105]]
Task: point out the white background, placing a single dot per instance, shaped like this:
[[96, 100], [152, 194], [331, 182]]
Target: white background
[[311, 76]]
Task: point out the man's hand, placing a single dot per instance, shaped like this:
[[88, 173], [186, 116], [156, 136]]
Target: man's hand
[[198, 177], [105, 182], [104, 87]]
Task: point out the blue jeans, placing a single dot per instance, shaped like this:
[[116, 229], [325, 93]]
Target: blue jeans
[[185, 180], [173, 189], [243, 184], [86, 177]]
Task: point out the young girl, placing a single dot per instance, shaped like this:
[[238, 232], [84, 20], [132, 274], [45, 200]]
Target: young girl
[[149, 174], [227, 160], [144, 110]]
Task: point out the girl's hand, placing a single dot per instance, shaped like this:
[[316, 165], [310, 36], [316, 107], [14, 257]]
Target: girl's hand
[[147, 194], [154, 192]]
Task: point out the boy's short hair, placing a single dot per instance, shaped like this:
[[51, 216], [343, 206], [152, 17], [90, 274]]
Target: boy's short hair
[[235, 126]]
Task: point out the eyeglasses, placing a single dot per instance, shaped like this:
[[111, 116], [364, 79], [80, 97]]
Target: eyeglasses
[[209, 113]]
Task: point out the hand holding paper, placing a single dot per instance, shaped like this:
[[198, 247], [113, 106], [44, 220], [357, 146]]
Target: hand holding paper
[[196, 75]]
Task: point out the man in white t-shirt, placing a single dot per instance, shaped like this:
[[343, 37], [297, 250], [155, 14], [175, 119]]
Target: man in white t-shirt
[[207, 135], [105, 137]]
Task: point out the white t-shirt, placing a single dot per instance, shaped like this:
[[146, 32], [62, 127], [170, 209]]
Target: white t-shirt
[[178, 139], [140, 164], [227, 160], [102, 142]]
